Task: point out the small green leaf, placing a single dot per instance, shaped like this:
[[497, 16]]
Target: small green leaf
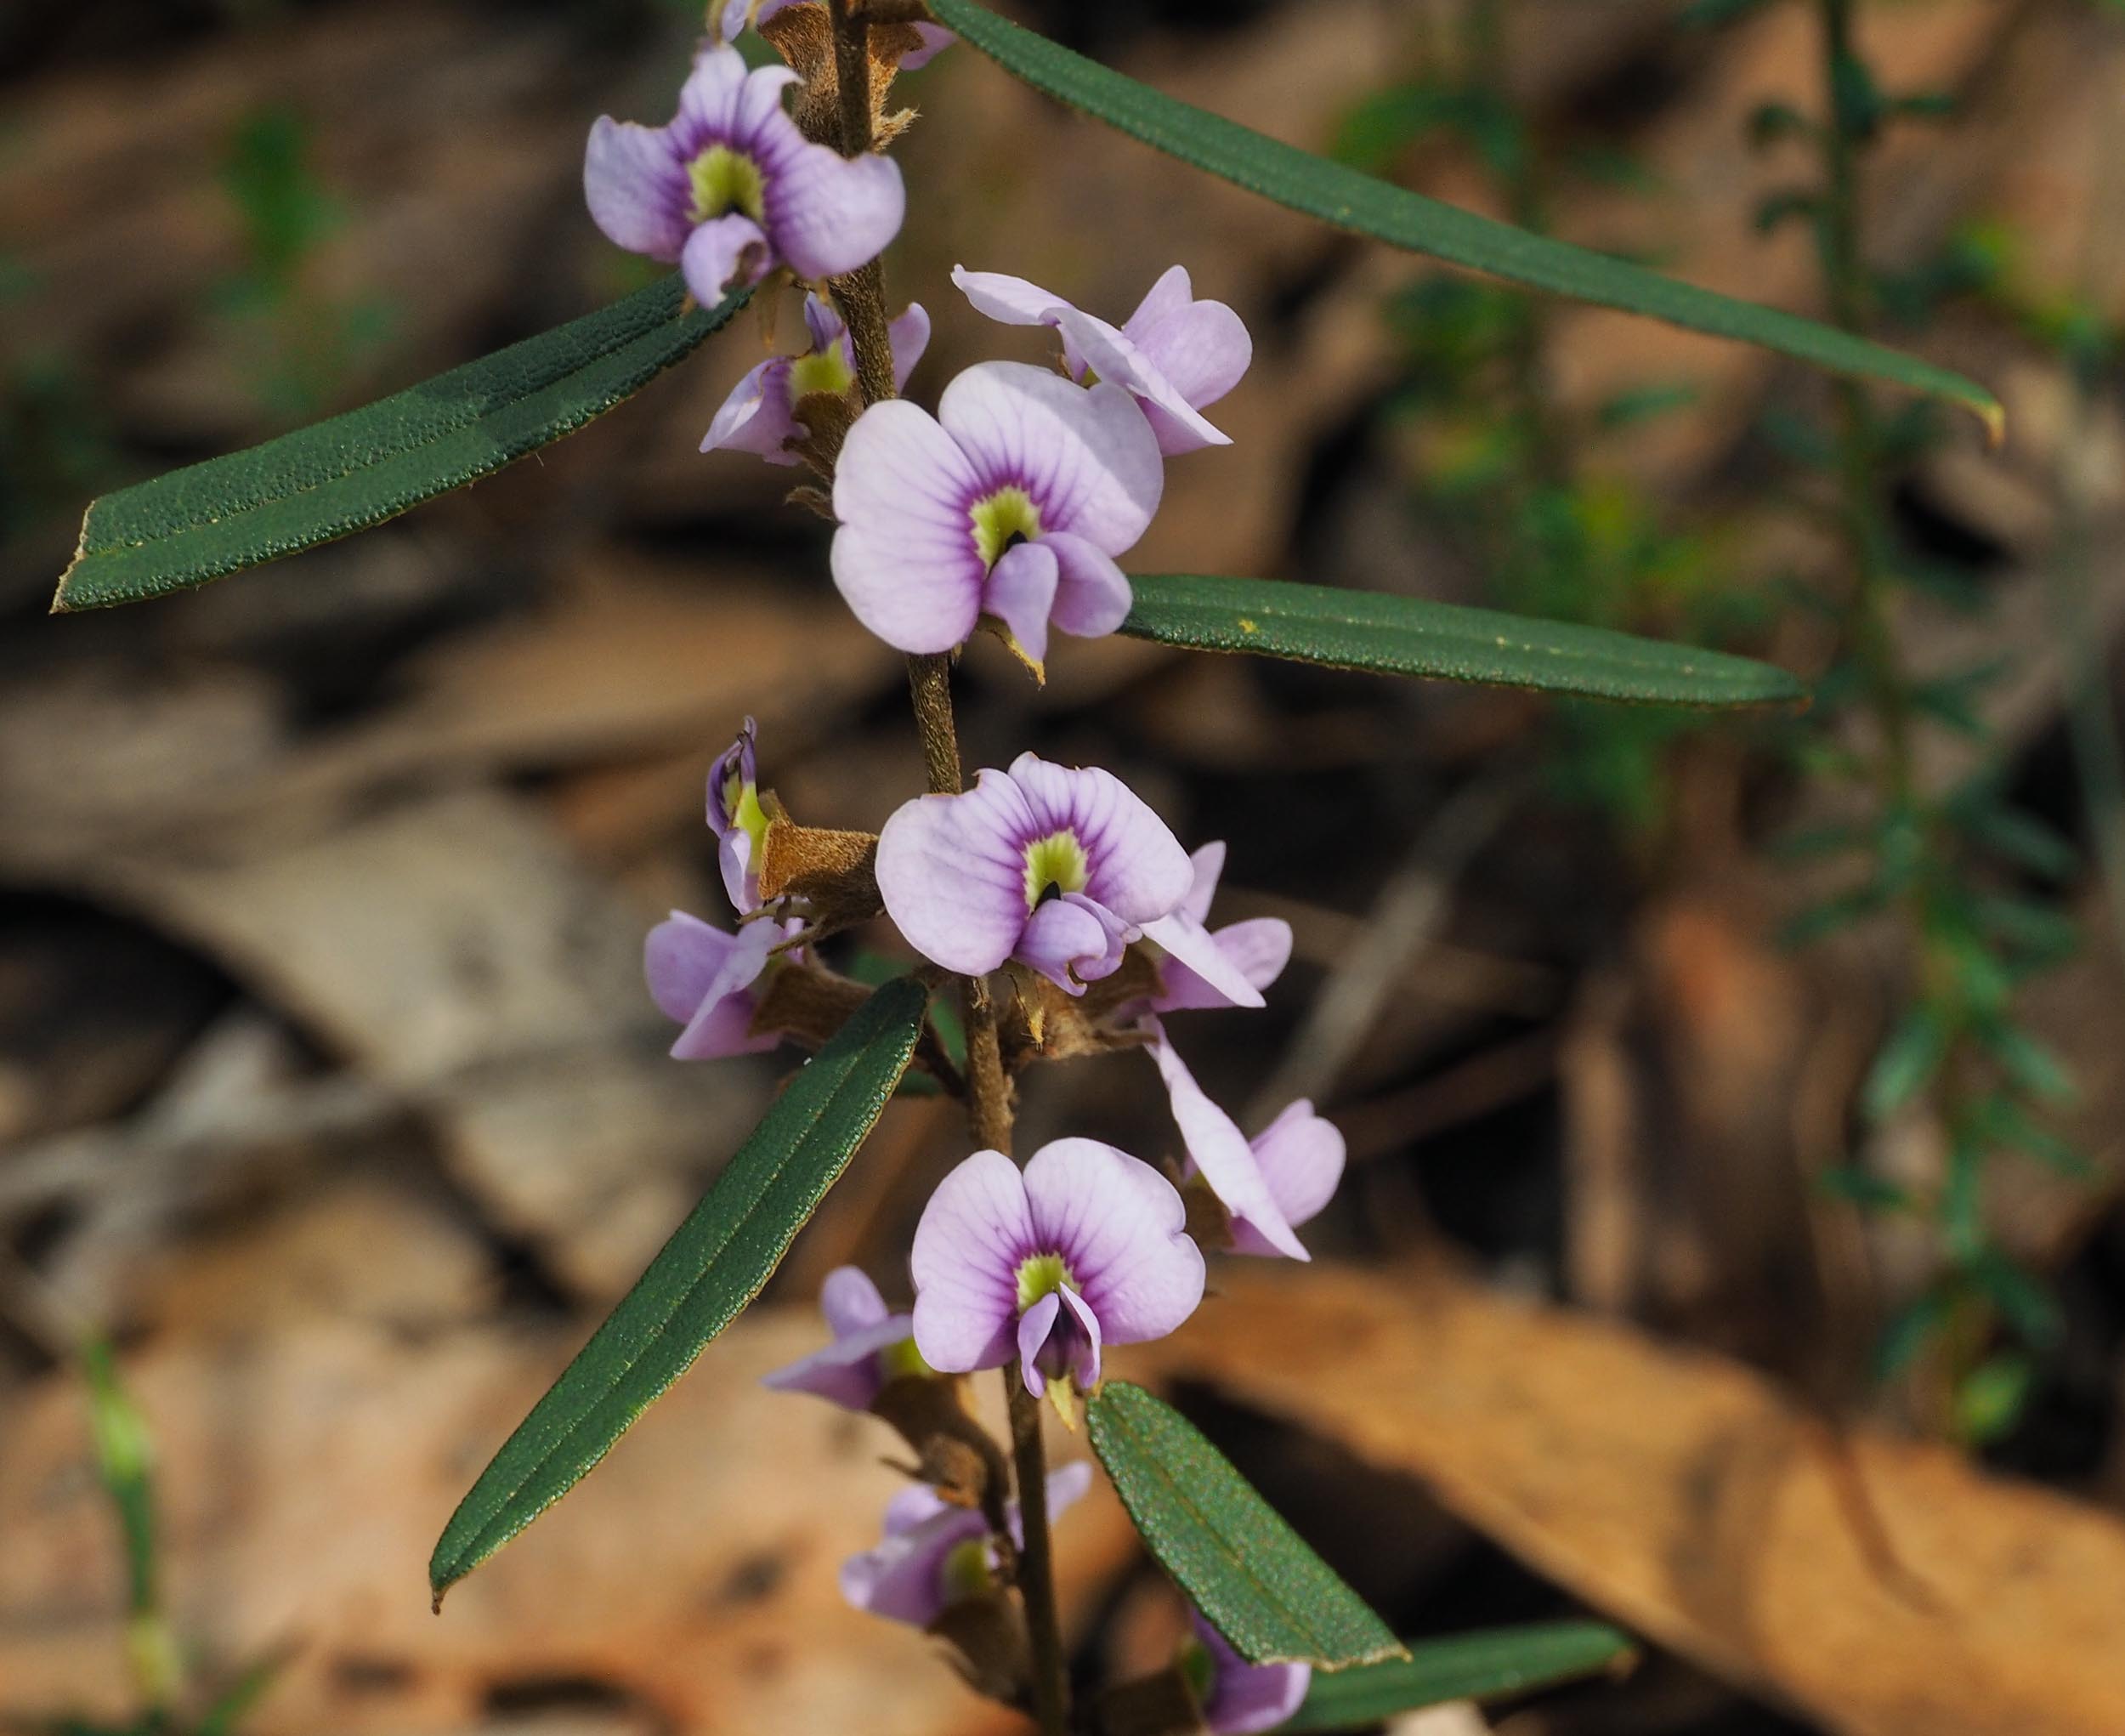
[[1250, 1574], [1905, 1064], [1468, 1666], [1386, 635], [354, 471], [1349, 200], [715, 1264]]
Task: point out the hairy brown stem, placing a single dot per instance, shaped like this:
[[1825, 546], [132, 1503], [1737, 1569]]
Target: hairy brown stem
[[860, 296]]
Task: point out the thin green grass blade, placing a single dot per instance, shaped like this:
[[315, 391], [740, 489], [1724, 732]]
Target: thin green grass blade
[[1349, 200], [1468, 1666], [1250, 1574], [353, 472], [714, 1264], [1387, 635]]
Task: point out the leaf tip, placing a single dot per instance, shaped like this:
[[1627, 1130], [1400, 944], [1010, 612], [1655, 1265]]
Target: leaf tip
[[1994, 414]]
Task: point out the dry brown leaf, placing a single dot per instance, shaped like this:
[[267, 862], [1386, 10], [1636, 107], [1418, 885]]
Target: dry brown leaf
[[306, 1472], [1687, 1498]]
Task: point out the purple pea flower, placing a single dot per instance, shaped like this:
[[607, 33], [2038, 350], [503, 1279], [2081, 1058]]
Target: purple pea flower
[[731, 189], [1236, 1697], [1174, 354], [871, 1345], [706, 979], [1082, 1248], [1281, 1177], [698, 975], [1255, 951], [1012, 501], [1056, 867], [737, 819], [736, 13], [760, 414], [934, 1554]]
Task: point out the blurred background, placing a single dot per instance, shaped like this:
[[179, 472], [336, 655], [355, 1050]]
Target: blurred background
[[1732, 1242]]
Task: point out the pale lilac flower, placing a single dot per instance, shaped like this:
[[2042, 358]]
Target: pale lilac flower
[[934, 1554], [731, 189], [1281, 1177], [1058, 868], [1236, 1697], [1012, 501], [871, 1345], [760, 414], [706, 979], [1174, 355], [1082, 1248], [735, 14], [1255, 951]]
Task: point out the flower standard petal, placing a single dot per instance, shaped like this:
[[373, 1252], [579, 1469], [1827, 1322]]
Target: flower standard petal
[[905, 557], [726, 253], [1207, 865], [951, 870], [1113, 357], [908, 337], [1088, 461], [635, 187], [1136, 867], [1200, 347], [1220, 1153], [1092, 596], [1302, 1157], [935, 40], [1120, 1229], [829, 213], [973, 1236], [851, 1301]]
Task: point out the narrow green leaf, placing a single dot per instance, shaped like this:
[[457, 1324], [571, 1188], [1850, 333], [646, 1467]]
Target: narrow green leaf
[[1342, 196], [354, 471], [1369, 630], [1468, 1666], [1250, 1573], [125, 1461], [715, 1264]]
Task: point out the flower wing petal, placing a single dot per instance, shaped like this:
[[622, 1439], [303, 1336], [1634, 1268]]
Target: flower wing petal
[[1092, 597], [1033, 1327], [851, 1301], [725, 252], [1010, 301], [845, 1371], [755, 417], [720, 1024], [1197, 948], [1302, 1156], [1020, 592]]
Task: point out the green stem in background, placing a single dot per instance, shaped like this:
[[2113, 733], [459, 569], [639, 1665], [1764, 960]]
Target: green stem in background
[[860, 297]]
